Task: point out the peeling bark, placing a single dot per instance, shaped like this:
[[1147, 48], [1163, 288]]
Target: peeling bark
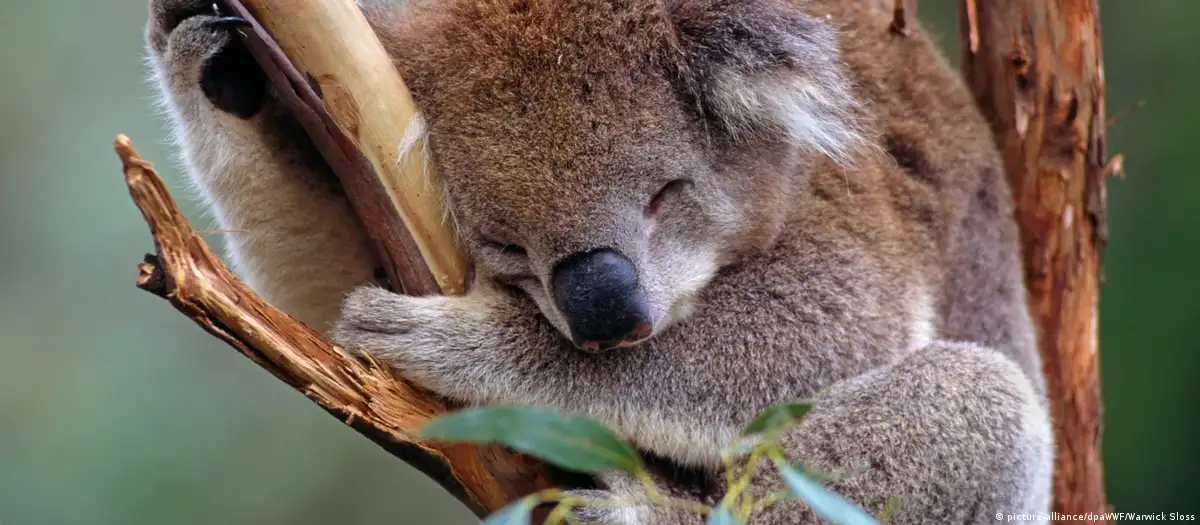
[[1035, 67]]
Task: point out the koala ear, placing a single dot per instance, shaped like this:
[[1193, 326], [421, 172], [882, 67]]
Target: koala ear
[[759, 68]]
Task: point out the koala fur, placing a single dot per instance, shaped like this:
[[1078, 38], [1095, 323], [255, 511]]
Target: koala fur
[[810, 205]]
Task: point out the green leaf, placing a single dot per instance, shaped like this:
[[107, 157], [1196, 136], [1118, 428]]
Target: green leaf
[[778, 417], [516, 513], [825, 503], [573, 442], [722, 516]]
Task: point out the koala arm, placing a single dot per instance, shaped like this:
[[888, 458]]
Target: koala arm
[[293, 236], [767, 333], [492, 346], [954, 431]]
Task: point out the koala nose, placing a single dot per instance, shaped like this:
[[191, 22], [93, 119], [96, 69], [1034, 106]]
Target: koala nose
[[599, 294]]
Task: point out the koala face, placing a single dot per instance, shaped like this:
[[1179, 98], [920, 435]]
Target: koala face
[[609, 157], [611, 214]]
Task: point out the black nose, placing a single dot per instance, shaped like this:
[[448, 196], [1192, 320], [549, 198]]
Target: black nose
[[598, 293]]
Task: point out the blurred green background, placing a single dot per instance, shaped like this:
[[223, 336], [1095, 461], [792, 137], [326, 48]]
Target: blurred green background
[[115, 409]]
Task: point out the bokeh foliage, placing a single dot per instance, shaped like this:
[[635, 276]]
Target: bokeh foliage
[[114, 409]]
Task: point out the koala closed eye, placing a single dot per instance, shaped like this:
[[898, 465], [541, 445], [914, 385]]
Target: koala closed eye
[[669, 190], [508, 262], [505, 248]]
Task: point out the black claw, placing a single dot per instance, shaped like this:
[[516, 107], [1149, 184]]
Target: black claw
[[227, 22]]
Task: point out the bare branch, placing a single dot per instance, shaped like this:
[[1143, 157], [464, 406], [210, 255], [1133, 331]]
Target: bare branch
[[361, 393]]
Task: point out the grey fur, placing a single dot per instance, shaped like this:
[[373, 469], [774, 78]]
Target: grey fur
[[845, 219]]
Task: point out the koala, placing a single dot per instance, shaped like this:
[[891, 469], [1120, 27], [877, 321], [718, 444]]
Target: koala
[[680, 212]]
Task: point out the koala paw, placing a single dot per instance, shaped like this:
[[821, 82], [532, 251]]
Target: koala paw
[[425, 339], [627, 496], [195, 47]]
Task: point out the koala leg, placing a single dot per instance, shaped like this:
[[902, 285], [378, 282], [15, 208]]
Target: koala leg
[[953, 433], [293, 236]]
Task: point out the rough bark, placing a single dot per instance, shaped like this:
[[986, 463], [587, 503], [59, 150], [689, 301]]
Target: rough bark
[[1035, 67]]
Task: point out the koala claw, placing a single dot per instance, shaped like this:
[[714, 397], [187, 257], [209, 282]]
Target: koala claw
[[232, 80], [458, 346], [197, 49], [227, 22]]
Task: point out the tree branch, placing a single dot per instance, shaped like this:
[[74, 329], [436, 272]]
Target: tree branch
[[1035, 68], [362, 393]]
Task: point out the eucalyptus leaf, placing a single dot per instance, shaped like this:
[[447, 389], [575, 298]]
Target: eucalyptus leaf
[[825, 503], [722, 516], [778, 417], [517, 513], [572, 442]]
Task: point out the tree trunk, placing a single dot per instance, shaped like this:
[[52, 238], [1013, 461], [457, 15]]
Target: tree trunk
[[1035, 69]]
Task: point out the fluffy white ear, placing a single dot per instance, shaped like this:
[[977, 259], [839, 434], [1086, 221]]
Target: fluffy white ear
[[816, 114], [761, 69]]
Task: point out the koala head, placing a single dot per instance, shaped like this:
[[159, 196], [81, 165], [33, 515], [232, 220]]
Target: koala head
[[608, 157]]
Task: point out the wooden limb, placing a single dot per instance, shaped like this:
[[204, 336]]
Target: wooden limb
[[362, 393], [1035, 68], [399, 208]]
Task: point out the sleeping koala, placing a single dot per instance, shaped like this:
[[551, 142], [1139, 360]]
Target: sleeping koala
[[681, 212]]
